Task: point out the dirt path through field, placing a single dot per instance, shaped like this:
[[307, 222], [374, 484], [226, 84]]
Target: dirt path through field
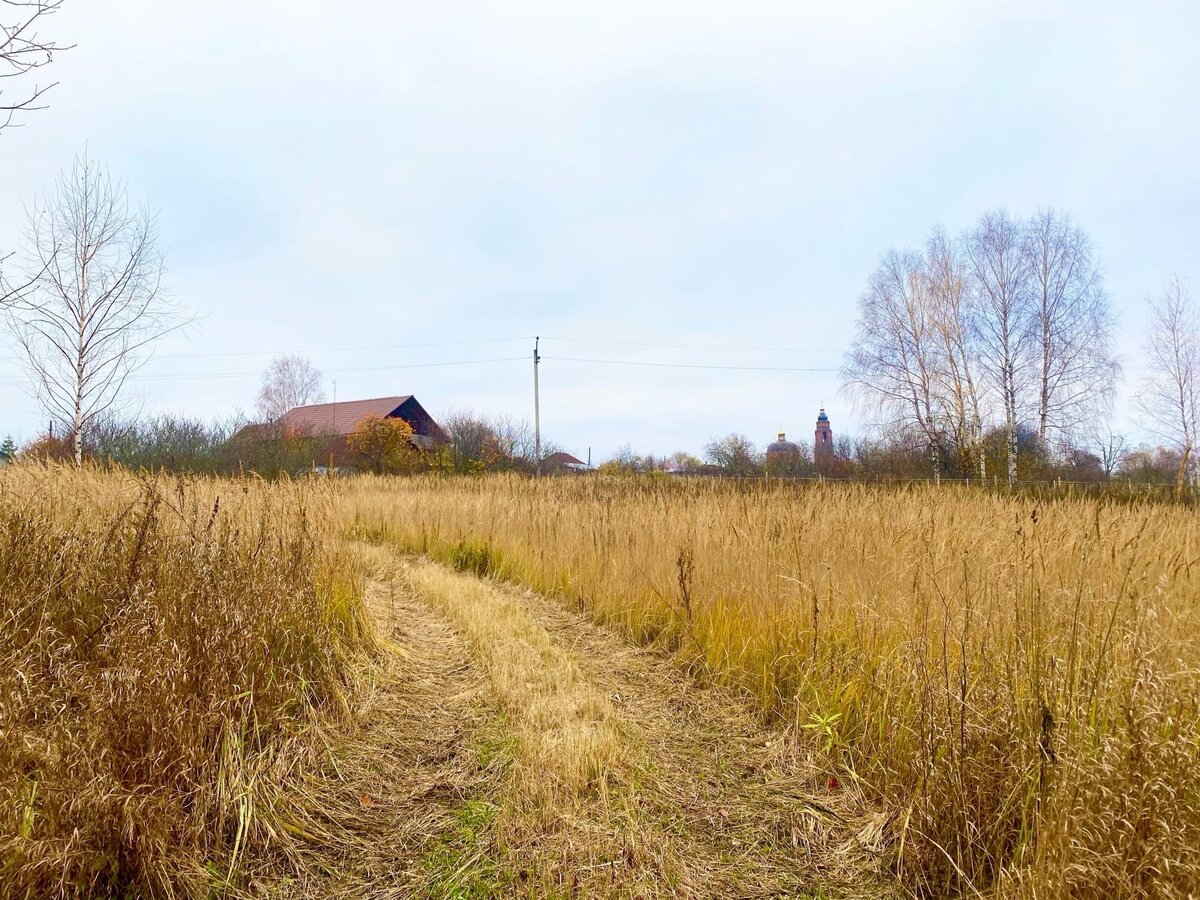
[[756, 816], [523, 750], [630, 779], [402, 781]]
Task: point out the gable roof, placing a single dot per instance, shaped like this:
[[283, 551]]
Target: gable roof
[[335, 419], [562, 459]]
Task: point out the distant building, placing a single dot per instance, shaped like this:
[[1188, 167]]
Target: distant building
[[823, 437], [338, 420], [783, 456], [328, 426], [562, 464]]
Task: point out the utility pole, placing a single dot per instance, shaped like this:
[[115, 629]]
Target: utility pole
[[329, 468], [537, 412]]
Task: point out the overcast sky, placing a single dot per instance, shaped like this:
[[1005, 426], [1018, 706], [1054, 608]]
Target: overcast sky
[[342, 179]]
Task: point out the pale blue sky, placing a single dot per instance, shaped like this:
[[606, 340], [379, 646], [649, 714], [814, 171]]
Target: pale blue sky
[[679, 173]]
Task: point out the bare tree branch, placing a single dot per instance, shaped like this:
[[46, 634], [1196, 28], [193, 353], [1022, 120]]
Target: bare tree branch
[[23, 49], [893, 364], [959, 387]]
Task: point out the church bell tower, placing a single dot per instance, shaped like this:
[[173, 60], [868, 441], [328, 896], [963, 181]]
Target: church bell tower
[[823, 437]]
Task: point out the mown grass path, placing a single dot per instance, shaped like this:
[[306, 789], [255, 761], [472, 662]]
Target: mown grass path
[[374, 818], [743, 811], [580, 766]]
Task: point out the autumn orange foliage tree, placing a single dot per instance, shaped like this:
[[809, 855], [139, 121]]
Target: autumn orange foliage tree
[[384, 445]]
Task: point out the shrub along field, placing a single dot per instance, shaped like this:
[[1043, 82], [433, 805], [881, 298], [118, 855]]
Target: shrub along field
[[170, 651], [1014, 680]]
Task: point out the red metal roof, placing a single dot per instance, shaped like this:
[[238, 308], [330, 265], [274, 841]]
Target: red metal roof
[[562, 459], [335, 419]]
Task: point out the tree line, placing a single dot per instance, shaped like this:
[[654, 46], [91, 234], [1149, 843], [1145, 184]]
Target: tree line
[[904, 457], [1005, 334], [239, 444]]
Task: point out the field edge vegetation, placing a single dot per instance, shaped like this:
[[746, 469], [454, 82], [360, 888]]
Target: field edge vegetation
[[174, 649]]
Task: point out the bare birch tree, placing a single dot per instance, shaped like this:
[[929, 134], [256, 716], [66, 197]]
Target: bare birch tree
[[1072, 325], [999, 266], [92, 304], [22, 50], [958, 382], [1010, 320], [894, 362], [1170, 395], [288, 382]]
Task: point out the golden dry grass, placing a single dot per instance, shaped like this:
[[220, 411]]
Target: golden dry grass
[[988, 694], [384, 812], [624, 778], [1012, 681], [568, 732], [170, 651]]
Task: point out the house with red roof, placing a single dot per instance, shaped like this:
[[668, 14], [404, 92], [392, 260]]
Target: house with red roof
[[563, 463], [326, 427]]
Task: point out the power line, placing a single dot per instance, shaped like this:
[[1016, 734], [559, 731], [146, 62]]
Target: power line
[[14, 380], [158, 356], [694, 346], [218, 375], [413, 346], [665, 365]]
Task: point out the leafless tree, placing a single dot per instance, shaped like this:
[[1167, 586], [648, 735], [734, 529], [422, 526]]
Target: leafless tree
[[492, 442], [1072, 324], [894, 361], [685, 462], [626, 459], [1170, 395], [736, 454], [288, 382], [1000, 279], [473, 440], [953, 328], [93, 303], [518, 445], [1009, 321], [1111, 447], [23, 49]]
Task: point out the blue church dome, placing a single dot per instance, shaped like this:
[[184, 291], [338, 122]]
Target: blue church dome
[[822, 417]]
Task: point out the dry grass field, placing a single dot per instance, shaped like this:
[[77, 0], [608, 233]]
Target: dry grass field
[[170, 652], [627, 688], [1013, 682]]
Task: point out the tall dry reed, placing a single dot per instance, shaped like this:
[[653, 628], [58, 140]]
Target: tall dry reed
[[167, 647], [1015, 681]]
